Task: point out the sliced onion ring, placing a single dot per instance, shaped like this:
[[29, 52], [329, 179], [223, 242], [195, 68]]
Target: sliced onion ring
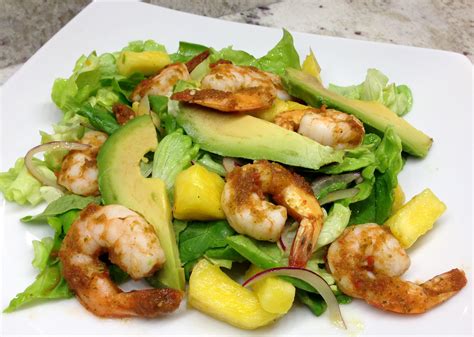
[[49, 147], [338, 195], [313, 279], [322, 182]]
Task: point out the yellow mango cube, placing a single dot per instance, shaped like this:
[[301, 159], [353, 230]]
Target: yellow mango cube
[[277, 108], [146, 62], [416, 217], [216, 294], [274, 294], [398, 198], [311, 66], [197, 195]]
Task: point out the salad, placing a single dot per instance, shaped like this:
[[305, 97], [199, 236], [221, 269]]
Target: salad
[[185, 168]]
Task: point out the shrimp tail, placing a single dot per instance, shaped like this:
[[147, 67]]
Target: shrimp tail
[[147, 303], [303, 244], [197, 60], [442, 287]]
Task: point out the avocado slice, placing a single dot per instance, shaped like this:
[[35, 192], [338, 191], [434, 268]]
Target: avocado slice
[[375, 114], [245, 136], [121, 182]]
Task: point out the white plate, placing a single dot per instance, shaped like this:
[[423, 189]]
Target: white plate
[[441, 83]]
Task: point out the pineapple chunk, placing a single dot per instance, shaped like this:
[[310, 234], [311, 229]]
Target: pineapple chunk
[[274, 294], [146, 62], [398, 198], [278, 107], [416, 217], [311, 66], [216, 294], [197, 195]]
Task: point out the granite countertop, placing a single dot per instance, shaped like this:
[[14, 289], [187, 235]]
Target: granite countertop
[[439, 24]]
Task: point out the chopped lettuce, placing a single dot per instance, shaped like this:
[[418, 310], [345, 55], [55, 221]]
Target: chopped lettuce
[[42, 250], [280, 57], [334, 224], [186, 51], [19, 186], [49, 283], [62, 205], [99, 118], [148, 45], [199, 237], [211, 164], [399, 98], [174, 154], [375, 197]]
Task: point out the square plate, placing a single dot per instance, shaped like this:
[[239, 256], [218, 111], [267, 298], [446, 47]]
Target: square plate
[[442, 87]]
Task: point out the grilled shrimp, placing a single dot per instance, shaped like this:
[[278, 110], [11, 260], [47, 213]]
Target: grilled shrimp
[[249, 213], [163, 83], [232, 88], [367, 262], [132, 244], [326, 126], [79, 170]]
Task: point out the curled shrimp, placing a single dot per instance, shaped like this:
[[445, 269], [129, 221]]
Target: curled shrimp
[[162, 83], [232, 88], [366, 262], [326, 126], [79, 171], [132, 244], [249, 213]]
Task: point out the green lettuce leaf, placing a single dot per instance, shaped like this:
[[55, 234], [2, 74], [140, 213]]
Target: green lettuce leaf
[[62, 205], [375, 197], [42, 251], [99, 118], [199, 237], [334, 224], [187, 51], [49, 284], [399, 98], [207, 161], [173, 155], [280, 57], [148, 45], [18, 185], [357, 158]]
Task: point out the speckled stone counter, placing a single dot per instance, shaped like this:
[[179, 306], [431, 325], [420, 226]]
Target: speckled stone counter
[[440, 24]]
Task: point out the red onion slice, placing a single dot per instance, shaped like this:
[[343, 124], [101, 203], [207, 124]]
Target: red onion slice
[[322, 182], [338, 195], [32, 169], [313, 279]]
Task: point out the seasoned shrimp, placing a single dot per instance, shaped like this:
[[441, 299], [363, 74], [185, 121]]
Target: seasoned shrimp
[[163, 83], [232, 88], [366, 262], [249, 213], [326, 126], [79, 170], [132, 244]]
